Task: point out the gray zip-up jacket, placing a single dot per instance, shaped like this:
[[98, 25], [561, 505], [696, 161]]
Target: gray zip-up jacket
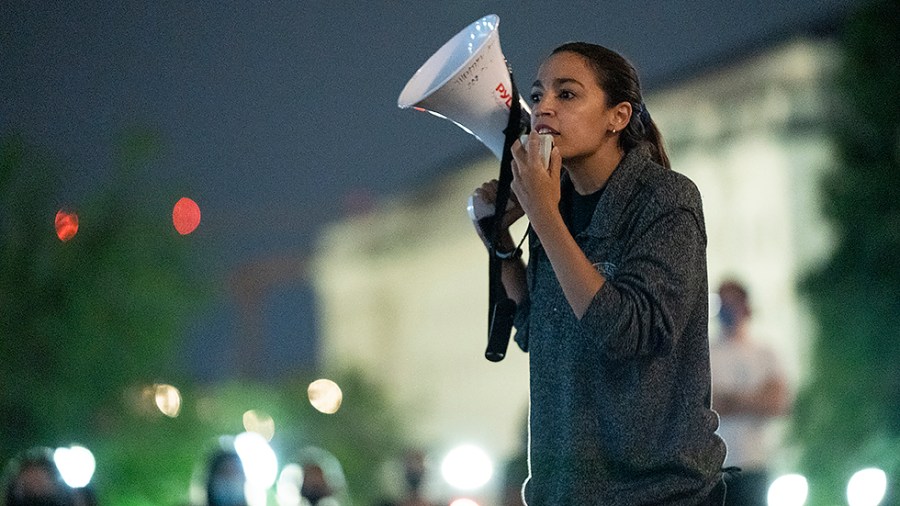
[[620, 399]]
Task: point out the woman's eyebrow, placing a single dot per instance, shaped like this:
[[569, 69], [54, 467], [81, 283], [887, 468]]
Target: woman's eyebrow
[[559, 81]]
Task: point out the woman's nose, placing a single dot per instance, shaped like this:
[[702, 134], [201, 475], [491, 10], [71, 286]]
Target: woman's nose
[[542, 108]]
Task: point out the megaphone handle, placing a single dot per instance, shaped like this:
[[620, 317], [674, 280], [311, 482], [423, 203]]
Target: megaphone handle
[[501, 324], [501, 308]]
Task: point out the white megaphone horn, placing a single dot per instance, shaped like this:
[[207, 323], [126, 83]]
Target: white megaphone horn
[[467, 81]]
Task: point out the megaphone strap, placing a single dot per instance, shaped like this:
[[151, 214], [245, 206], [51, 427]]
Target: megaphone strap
[[501, 308]]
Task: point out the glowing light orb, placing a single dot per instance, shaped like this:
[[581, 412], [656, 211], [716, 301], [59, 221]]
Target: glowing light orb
[[258, 459], [788, 490], [167, 399], [186, 216], [260, 423], [867, 487], [287, 489], [325, 396], [76, 464], [464, 502], [66, 225], [467, 467]]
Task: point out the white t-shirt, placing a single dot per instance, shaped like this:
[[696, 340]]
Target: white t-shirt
[[740, 367]]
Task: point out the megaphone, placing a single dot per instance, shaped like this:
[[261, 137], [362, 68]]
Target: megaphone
[[467, 81]]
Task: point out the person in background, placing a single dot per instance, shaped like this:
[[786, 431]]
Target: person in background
[[324, 483], [225, 479], [34, 480], [749, 391], [415, 471], [612, 306]]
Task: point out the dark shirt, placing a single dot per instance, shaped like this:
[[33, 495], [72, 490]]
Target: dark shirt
[[577, 209], [620, 399]]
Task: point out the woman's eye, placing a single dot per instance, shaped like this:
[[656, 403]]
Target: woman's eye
[[535, 98], [566, 95]]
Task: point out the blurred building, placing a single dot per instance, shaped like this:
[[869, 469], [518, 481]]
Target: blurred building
[[403, 294], [403, 288], [754, 138]]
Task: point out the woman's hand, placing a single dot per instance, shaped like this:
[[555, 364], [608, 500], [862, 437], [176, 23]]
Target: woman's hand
[[482, 205], [485, 197], [535, 186]]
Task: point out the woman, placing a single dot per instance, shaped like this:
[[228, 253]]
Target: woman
[[612, 307]]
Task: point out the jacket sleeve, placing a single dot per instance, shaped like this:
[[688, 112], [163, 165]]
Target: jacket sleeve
[[645, 307]]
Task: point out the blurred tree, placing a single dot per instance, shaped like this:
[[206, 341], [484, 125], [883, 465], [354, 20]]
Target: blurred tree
[[84, 321], [848, 414], [89, 325]]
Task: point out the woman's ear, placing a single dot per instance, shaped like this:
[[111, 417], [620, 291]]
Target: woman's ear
[[620, 116]]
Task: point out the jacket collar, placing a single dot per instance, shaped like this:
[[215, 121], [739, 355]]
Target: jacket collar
[[620, 189]]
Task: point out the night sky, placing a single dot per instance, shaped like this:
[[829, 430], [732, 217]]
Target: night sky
[[277, 116]]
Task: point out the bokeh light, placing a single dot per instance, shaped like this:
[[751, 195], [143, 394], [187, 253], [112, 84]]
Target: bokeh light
[[167, 399], [259, 422], [186, 216], [258, 459], [76, 464], [66, 225], [287, 490], [255, 496], [788, 490], [467, 467], [463, 502], [325, 395], [867, 487]]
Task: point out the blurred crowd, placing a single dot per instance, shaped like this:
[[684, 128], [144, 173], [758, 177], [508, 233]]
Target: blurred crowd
[[314, 477], [750, 391]]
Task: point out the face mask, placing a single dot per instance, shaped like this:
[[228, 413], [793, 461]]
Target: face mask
[[727, 317], [414, 479]]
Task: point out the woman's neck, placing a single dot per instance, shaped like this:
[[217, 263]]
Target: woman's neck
[[591, 173]]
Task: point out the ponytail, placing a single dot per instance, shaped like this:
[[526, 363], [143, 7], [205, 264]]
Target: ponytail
[[642, 130]]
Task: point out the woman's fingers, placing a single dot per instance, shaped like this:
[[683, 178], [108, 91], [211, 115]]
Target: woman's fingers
[[487, 191], [487, 194]]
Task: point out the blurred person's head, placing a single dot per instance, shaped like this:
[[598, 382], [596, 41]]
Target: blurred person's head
[[34, 480], [323, 477], [315, 485], [735, 306], [225, 480]]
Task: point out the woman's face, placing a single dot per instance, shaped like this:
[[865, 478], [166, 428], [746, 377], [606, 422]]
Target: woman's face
[[570, 105]]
